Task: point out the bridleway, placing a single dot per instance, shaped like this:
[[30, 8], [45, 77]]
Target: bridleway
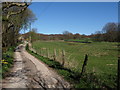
[[29, 72]]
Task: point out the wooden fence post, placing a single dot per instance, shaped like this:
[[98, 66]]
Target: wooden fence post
[[118, 85], [54, 56], [84, 65], [59, 55], [48, 53], [40, 52], [45, 52], [63, 57], [93, 70]]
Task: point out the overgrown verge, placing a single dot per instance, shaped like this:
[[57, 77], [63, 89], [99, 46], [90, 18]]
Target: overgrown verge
[[6, 62], [87, 80]]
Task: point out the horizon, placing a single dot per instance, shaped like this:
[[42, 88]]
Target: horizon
[[75, 17], [55, 33]]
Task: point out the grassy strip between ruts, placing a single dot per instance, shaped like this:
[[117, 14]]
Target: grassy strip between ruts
[[6, 62], [88, 80]]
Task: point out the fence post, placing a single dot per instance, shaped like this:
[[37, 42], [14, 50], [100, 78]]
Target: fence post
[[59, 55], [45, 52], [40, 52], [54, 56], [94, 70], [48, 53], [84, 65], [63, 57], [118, 86]]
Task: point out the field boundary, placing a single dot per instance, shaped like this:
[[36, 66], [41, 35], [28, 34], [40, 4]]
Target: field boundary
[[71, 76]]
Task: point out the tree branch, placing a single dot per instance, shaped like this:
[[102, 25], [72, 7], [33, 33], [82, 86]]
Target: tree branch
[[9, 5], [15, 13]]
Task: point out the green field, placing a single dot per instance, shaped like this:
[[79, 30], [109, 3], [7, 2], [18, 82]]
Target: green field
[[102, 57]]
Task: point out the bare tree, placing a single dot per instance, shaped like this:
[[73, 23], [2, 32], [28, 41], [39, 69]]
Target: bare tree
[[67, 35], [110, 32]]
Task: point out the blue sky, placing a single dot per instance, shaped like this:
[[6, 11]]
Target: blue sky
[[75, 17]]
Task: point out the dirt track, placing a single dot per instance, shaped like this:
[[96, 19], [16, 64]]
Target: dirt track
[[29, 72]]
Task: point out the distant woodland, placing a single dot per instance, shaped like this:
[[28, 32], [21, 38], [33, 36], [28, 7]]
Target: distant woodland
[[109, 33]]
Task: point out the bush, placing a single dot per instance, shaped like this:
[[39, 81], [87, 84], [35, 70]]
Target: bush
[[7, 61]]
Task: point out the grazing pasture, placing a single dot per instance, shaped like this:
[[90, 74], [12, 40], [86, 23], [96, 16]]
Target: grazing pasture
[[102, 57]]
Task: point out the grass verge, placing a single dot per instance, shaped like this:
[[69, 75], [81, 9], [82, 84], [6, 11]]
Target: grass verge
[[6, 62]]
